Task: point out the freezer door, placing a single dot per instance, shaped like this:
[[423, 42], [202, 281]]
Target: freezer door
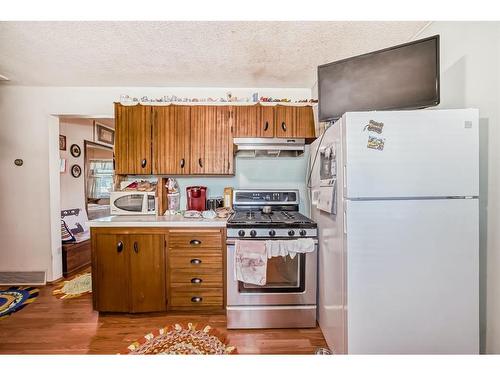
[[412, 277], [426, 153]]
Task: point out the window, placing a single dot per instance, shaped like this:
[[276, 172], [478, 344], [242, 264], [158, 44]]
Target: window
[[100, 179]]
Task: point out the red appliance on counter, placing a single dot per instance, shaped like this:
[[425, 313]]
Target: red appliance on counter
[[196, 198]]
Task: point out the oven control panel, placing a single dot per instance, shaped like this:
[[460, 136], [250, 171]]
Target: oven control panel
[[271, 232], [265, 197]]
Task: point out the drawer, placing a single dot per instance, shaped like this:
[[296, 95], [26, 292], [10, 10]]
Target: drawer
[[195, 279], [195, 261], [184, 297], [190, 239]]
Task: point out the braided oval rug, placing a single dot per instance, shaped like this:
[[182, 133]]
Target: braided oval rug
[[179, 340]]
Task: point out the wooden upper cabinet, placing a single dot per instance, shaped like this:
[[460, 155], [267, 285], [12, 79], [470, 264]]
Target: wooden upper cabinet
[[294, 122], [133, 139], [171, 139], [254, 121], [266, 121], [198, 140], [211, 140], [304, 122], [284, 118]]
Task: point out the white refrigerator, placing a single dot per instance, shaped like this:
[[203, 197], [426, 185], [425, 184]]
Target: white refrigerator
[[395, 196]]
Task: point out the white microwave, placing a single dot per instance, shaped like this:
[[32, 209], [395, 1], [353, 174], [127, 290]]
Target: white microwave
[[132, 203]]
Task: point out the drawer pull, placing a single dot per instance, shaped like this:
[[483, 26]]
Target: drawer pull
[[266, 126], [196, 280], [195, 242], [143, 163], [119, 246], [136, 247], [283, 126], [196, 299], [195, 261]]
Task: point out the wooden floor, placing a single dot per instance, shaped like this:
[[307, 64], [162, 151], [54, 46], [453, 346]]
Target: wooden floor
[[53, 326]]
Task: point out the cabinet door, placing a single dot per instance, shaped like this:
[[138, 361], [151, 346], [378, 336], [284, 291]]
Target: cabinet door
[[284, 119], [211, 140], [147, 272], [266, 122], [246, 120], [111, 270], [133, 139], [253, 121], [171, 139], [304, 122]]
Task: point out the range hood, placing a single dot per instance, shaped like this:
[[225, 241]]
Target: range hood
[[269, 147]]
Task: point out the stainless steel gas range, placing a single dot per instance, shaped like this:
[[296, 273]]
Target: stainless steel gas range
[[289, 297]]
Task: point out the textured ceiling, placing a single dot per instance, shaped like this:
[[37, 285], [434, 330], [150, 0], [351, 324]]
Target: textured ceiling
[[220, 54]]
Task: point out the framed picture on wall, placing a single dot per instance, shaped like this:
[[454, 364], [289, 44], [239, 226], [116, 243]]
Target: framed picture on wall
[[104, 134], [62, 142], [62, 165]]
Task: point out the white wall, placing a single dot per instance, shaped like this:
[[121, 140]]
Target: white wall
[[25, 125], [73, 189], [470, 78]]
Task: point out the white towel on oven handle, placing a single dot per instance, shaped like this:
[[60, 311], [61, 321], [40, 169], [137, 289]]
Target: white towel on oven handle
[[250, 262], [283, 248]]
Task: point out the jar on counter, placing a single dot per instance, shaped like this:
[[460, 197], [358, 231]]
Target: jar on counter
[[228, 197]]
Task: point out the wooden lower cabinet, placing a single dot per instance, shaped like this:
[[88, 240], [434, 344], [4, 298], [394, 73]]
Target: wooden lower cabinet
[[110, 268], [128, 270], [147, 272], [185, 298], [158, 269], [196, 266]]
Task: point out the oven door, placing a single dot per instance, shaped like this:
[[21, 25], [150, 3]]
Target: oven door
[[289, 281]]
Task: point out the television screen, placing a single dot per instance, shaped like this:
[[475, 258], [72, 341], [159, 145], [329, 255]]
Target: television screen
[[400, 77]]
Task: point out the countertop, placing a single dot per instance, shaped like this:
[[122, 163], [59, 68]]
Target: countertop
[[173, 221]]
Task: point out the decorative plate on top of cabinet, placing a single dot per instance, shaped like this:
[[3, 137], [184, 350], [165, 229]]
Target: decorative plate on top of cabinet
[[75, 150]]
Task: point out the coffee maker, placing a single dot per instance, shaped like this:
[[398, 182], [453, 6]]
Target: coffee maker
[[196, 198]]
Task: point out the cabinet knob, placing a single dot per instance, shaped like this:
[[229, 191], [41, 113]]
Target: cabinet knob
[[283, 126], [200, 162], [182, 162], [119, 246], [143, 163], [136, 247], [196, 299], [195, 242], [196, 280], [266, 126], [195, 261]]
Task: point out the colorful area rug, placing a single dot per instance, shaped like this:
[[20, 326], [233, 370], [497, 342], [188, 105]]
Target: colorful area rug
[[179, 340], [76, 287], [15, 298]]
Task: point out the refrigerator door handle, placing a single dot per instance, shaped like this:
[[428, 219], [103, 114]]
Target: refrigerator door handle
[[345, 223]]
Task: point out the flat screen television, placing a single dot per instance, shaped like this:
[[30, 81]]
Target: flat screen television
[[400, 77]]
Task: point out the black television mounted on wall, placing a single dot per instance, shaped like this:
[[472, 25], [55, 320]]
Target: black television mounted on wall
[[400, 77]]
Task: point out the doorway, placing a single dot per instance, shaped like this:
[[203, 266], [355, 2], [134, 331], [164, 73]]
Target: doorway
[[99, 169]]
